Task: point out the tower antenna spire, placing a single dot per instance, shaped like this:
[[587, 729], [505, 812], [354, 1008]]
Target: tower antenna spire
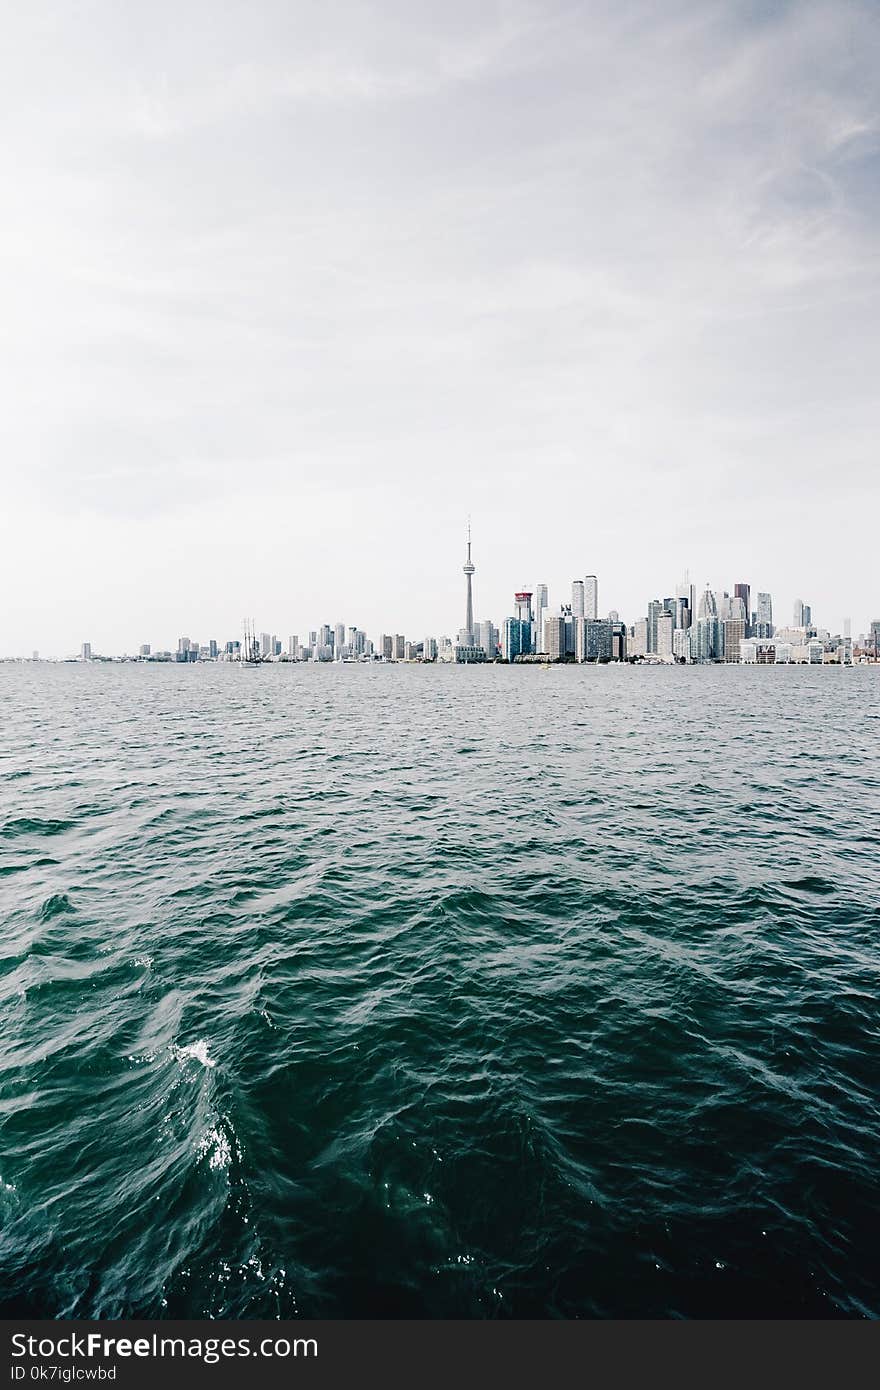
[[469, 611]]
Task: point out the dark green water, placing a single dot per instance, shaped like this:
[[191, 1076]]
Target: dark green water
[[440, 992]]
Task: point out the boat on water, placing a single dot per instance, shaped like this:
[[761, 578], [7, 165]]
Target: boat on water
[[250, 654]]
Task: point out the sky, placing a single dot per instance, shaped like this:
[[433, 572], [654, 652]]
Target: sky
[[289, 290]]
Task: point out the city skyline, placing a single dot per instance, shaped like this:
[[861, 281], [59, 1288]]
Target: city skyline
[[281, 307], [693, 625]]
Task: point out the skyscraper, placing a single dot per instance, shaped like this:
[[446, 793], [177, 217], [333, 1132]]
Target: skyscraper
[[541, 601], [763, 616], [577, 598], [469, 568], [486, 636], [591, 597], [554, 637], [516, 638], [523, 601], [798, 619], [744, 592]]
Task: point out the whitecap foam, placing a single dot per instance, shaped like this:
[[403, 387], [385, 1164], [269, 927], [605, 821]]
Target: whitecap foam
[[198, 1051], [216, 1148]]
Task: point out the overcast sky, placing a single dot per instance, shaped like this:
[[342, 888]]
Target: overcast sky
[[289, 289]]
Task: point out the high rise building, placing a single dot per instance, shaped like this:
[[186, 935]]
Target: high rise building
[[743, 591], [554, 637], [145, 649], [708, 605], [664, 636], [734, 636], [267, 647], [591, 597], [386, 646], [541, 602], [486, 636], [212, 649], [523, 605], [293, 648], [655, 608], [874, 639], [763, 625], [639, 644], [338, 640], [577, 598], [686, 590], [798, 619], [399, 649], [429, 649], [516, 638], [86, 651], [594, 639], [808, 615]]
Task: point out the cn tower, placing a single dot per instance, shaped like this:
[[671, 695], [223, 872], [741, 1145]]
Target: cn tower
[[469, 570]]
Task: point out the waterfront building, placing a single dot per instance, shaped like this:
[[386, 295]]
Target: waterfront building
[[618, 640], [798, 618], [516, 638], [639, 645], [681, 648], [594, 639], [568, 618], [486, 636], [734, 634], [398, 652], [145, 649], [541, 604], [655, 608], [663, 638], [577, 598], [86, 651], [591, 597], [339, 640], [707, 634], [554, 637], [293, 648], [468, 655], [429, 649]]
